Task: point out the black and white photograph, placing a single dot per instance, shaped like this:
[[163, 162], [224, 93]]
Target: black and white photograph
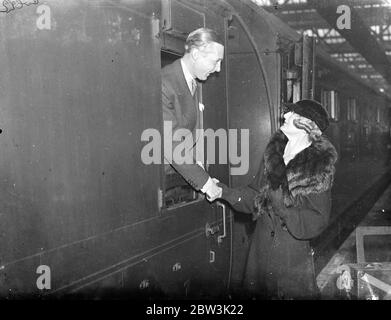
[[195, 157]]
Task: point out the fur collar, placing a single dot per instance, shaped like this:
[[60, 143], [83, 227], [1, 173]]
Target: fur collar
[[310, 171]]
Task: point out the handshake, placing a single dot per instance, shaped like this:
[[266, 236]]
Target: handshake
[[212, 190]]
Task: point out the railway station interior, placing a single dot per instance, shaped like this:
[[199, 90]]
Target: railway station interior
[[358, 219], [84, 216]]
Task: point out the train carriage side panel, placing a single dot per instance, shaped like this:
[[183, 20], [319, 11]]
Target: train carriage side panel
[[76, 195]]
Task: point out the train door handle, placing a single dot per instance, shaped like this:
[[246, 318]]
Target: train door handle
[[212, 256], [221, 237]]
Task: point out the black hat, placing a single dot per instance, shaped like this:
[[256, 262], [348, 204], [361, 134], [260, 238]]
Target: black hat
[[312, 110]]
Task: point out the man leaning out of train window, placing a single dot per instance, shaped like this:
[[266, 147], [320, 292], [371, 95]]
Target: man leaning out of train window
[[290, 199]]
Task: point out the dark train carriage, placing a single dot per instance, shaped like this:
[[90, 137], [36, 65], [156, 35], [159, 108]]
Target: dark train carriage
[[80, 85], [359, 115]]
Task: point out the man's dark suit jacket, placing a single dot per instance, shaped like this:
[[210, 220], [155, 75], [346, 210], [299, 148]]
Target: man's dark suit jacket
[[182, 109]]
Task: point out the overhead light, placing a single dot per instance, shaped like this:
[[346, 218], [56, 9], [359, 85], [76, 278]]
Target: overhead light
[[381, 90]]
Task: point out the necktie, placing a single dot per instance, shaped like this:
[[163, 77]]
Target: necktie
[[193, 87]]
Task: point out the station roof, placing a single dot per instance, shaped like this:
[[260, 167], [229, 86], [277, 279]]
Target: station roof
[[364, 48]]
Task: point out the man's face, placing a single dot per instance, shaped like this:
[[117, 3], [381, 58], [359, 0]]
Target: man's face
[[208, 60]]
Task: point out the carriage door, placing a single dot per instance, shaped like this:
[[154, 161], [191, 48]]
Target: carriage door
[[248, 110], [205, 225]]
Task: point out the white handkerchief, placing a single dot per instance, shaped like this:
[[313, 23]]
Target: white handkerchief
[[201, 106]]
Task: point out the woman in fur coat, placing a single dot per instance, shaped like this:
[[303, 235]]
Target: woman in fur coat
[[290, 198]]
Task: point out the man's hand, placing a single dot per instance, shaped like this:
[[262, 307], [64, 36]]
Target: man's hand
[[214, 193], [211, 190]]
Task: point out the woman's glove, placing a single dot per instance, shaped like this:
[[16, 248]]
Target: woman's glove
[[232, 195]]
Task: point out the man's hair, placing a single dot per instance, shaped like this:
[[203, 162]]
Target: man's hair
[[201, 37]]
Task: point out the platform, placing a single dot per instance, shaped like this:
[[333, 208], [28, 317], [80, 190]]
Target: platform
[[378, 249]]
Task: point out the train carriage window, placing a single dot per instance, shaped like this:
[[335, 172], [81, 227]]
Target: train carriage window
[[352, 110], [168, 57], [330, 99], [175, 190], [378, 114]]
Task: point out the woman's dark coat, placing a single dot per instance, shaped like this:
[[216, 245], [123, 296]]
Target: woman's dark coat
[[292, 205]]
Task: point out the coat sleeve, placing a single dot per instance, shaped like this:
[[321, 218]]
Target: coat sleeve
[[242, 198], [309, 218], [194, 174]]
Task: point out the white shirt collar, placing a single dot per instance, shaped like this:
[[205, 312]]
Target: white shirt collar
[[189, 78]]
